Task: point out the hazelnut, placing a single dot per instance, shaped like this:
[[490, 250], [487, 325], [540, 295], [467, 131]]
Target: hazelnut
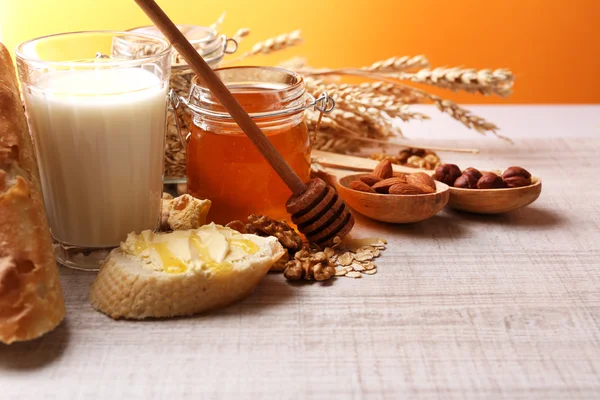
[[465, 182], [468, 179], [447, 173], [490, 181], [472, 172], [516, 177]]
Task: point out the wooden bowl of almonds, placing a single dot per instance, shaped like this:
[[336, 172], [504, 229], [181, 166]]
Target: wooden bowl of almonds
[[389, 196]]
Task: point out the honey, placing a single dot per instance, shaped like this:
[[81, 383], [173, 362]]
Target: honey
[[212, 248], [171, 264], [248, 246], [224, 166]]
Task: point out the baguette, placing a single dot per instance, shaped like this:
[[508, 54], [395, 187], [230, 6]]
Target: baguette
[[31, 300], [182, 272]]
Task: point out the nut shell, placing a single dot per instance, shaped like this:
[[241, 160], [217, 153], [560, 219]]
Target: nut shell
[[447, 173], [491, 181]]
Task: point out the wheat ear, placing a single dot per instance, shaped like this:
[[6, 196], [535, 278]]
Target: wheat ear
[[446, 106], [396, 64], [217, 24], [241, 34], [272, 45], [484, 81]]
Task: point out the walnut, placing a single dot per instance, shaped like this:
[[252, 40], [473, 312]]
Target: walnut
[[279, 266], [261, 224], [237, 225], [309, 266], [413, 158], [431, 161]]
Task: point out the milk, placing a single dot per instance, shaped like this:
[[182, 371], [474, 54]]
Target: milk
[[99, 136]]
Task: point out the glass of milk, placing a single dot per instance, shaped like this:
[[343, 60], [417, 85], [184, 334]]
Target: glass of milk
[[98, 119]]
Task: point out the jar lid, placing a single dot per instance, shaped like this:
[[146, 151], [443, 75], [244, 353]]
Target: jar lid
[[284, 89], [207, 41]]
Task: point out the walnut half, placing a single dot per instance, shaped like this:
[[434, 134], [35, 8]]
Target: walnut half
[[309, 266], [263, 225]]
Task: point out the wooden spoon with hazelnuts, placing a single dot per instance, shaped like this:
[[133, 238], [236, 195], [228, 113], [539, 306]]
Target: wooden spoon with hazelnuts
[[487, 192]]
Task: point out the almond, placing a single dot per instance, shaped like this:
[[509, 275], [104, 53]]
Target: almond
[[421, 178], [424, 188], [384, 185], [370, 179], [405, 188], [361, 186], [383, 170]]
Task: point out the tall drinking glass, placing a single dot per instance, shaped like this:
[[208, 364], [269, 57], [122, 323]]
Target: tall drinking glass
[[96, 104]]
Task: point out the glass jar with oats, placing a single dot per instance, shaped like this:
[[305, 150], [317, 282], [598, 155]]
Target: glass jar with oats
[[222, 163], [212, 46]]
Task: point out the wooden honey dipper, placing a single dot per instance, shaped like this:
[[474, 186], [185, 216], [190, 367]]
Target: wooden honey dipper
[[316, 208]]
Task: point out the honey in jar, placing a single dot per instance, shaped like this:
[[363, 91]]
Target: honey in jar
[[222, 163]]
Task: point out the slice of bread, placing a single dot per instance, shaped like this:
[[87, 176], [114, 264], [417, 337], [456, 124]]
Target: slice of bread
[[31, 300], [182, 272]]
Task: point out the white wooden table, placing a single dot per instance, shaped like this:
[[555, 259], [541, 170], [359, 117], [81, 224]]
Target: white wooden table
[[463, 306]]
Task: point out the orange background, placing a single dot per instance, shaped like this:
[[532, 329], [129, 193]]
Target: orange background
[[552, 46]]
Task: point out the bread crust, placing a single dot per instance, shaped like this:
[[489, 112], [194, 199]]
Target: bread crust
[[124, 288], [31, 300]]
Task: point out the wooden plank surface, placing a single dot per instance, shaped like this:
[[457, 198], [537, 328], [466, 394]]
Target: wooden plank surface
[[463, 306]]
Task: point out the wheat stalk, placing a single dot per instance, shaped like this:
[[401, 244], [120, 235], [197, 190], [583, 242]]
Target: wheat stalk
[[466, 117], [379, 91], [241, 34], [485, 81], [402, 94], [364, 111], [395, 64], [272, 45], [217, 24], [275, 44], [446, 106]]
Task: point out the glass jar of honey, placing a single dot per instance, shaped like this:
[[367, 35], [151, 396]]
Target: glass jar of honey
[[222, 163]]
